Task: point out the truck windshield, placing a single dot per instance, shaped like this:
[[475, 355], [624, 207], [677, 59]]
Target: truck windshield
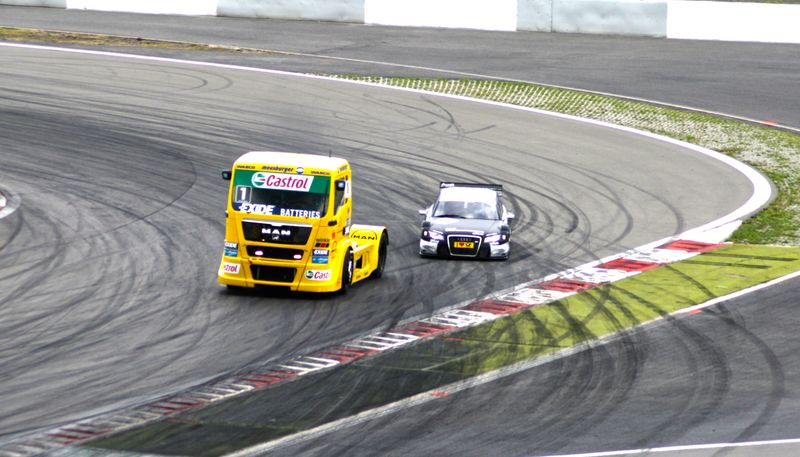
[[278, 194]]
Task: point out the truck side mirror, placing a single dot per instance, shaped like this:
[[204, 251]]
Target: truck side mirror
[[226, 175]]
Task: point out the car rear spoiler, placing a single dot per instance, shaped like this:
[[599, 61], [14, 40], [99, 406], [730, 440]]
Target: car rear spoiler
[[495, 187]]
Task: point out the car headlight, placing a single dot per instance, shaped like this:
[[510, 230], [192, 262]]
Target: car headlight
[[496, 238], [432, 235]]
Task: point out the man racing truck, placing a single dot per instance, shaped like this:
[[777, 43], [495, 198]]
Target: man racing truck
[[288, 223]]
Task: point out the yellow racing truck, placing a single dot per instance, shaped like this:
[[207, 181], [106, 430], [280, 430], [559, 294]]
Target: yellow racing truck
[[288, 223]]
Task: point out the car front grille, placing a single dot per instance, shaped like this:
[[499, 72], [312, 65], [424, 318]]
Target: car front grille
[[463, 245], [270, 273]]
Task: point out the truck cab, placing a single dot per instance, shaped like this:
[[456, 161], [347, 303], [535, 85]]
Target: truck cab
[[289, 224]]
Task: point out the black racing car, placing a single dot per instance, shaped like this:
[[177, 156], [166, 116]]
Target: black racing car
[[467, 220]]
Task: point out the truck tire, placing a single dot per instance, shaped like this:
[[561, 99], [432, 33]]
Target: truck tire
[[382, 251], [347, 272]]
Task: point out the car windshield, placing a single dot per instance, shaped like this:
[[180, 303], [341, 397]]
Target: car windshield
[[465, 210], [280, 194]]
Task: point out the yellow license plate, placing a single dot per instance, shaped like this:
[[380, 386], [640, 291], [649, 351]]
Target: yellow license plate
[[464, 245]]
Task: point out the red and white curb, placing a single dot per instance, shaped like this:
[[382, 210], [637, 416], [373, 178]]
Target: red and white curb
[[535, 293]]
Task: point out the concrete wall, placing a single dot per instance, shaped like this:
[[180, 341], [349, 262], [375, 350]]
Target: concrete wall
[[699, 20], [535, 15], [190, 7], [702, 20], [318, 10], [468, 14], [48, 3], [612, 17]]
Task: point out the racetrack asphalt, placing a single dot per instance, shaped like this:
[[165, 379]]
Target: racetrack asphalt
[[417, 431], [752, 80]]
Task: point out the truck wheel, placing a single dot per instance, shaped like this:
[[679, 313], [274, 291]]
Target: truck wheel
[[347, 272], [382, 251]]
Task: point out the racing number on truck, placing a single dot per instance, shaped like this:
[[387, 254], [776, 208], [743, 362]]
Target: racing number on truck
[[243, 193]]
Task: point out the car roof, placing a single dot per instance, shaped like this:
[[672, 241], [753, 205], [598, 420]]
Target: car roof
[[468, 194]]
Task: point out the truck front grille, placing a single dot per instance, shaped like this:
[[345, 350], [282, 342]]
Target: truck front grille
[[275, 232], [271, 273]]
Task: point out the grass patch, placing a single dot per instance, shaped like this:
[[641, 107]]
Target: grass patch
[[605, 310], [776, 153], [22, 35]]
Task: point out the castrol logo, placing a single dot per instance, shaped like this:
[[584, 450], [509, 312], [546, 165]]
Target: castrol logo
[[231, 268], [318, 275], [282, 181]]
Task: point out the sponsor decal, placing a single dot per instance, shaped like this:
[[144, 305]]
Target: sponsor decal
[[231, 268], [319, 260], [320, 173], [300, 170], [277, 168], [272, 210], [245, 167], [229, 245], [318, 275], [300, 213], [321, 252], [282, 182], [364, 235], [247, 207]]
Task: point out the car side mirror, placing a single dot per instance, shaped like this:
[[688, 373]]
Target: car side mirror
[[226, 175], [510, 216], [423, 212]]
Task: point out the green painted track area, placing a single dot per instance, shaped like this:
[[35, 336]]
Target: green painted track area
[[432, 366]]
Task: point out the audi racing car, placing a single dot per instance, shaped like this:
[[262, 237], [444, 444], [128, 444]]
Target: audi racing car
[[467, 220]]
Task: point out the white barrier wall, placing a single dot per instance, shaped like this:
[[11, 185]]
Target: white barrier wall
[[611, 17], [702, 20], [47, 3], [697, 20], [467, 14], [191, 7], [318, 10]]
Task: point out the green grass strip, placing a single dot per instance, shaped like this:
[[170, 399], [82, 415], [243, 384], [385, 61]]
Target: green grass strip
[[776, 153], [603, 311]]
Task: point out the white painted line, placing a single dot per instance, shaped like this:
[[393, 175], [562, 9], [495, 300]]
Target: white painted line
[[739, 293], [407, 337], [598, 275], [661, 255], [533, 296], [691, 447]]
